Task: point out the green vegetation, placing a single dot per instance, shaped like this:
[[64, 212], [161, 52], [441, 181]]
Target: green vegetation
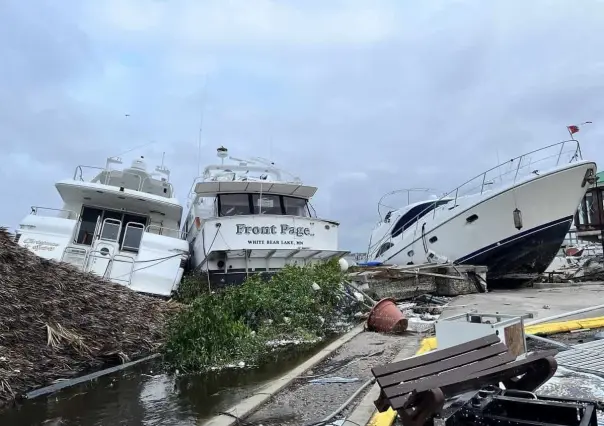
[[235, 324]]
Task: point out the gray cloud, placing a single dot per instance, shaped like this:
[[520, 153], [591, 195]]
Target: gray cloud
[[357, 100]]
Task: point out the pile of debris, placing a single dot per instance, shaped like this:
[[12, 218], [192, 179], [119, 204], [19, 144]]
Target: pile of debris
[[57, 322], [579, 267]]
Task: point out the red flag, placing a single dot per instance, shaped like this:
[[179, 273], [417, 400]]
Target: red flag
[[573, 129]]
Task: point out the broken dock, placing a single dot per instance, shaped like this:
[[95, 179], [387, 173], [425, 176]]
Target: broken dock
[[409, 281]]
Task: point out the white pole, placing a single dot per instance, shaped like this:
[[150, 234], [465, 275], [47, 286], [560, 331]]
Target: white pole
[[565, 314]]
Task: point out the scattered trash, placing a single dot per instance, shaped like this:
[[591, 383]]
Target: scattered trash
[[432, 299], [327, 380], [418, 325]]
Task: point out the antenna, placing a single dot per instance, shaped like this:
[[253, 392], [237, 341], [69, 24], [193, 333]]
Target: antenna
[[163, 155], [201, 116], [135, 148]]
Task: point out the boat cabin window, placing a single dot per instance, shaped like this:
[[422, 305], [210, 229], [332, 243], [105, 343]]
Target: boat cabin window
[[125, 228], [296, 206], [414, 214], [267, 204], [234, 204], [247, 204]]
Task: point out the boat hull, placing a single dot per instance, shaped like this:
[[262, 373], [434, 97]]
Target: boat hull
[[484, 230], [521, 258]]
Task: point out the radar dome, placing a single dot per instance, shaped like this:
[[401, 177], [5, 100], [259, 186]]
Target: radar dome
[[139, 164], [222, 152]]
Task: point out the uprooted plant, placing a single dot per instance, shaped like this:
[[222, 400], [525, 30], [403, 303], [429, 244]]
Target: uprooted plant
[[238, 323]]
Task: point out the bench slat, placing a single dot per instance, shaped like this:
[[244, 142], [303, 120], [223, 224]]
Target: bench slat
[[437, 355], [442, 366], [454, 384], [456, 375]]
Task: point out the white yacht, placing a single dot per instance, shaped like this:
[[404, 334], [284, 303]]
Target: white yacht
[[246, 218], [512, 218], [122, 225]]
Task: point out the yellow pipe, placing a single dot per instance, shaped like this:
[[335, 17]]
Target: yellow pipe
[[429, 343]]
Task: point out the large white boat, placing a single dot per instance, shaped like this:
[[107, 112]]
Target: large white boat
[[512, 218], [122, 225], [246, 218]]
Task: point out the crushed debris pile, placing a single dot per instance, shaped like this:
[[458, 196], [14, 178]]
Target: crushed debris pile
[[576, 268], [57, 322]]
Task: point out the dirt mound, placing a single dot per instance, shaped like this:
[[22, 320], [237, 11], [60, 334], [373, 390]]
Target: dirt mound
[[57, 322]]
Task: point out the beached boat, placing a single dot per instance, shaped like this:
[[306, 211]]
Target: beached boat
[[247, 218], [512, 218], [122, 225]]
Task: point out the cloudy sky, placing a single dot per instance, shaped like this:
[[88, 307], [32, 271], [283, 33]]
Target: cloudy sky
[[356, 97]]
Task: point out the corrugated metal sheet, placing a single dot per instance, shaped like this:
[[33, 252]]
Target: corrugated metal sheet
[[587, 357]]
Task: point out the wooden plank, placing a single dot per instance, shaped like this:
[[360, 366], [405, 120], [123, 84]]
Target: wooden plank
[[514, 338], [433, 274], [434, 356], [454, 384], [456, 374], [442, 366]]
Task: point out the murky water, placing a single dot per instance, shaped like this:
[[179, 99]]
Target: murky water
[[140, 396]]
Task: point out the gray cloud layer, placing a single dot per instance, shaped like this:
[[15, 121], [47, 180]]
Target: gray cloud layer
[[359, 98]]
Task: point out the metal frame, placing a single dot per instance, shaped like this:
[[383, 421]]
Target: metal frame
[[501, 320], [491, 406]]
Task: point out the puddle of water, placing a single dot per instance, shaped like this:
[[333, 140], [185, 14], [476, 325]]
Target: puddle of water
[[140, 396]]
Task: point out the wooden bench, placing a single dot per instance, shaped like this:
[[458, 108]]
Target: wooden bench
[[418, 387]]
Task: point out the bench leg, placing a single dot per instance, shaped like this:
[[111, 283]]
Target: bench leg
[[537, 374], [425, 405]]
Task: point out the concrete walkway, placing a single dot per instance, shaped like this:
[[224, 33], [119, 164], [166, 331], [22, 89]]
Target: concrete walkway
[[541, 302], [305, 402]]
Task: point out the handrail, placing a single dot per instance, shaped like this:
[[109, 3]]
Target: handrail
[[161, 230], [81, 167], [433, 205], [35, 209], [398, 191], [168, 184], [79, 170], [113, 222], [132, 225]]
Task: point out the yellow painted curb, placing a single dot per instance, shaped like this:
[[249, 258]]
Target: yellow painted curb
[[565, 326], [429, 343]]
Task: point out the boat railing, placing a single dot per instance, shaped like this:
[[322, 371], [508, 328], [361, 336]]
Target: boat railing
[[81, 173], [166, 232], [52, 212], [514, 169], [192, 195], [507, 173], [169, 193], [78, 174]]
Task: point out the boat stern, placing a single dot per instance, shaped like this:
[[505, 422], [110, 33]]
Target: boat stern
[[231, 248]]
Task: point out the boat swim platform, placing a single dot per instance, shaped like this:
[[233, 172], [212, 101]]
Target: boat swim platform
[[304, 255], [409, 281]]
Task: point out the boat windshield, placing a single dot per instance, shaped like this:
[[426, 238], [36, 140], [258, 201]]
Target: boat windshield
[[414, 214], [257, 204]]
